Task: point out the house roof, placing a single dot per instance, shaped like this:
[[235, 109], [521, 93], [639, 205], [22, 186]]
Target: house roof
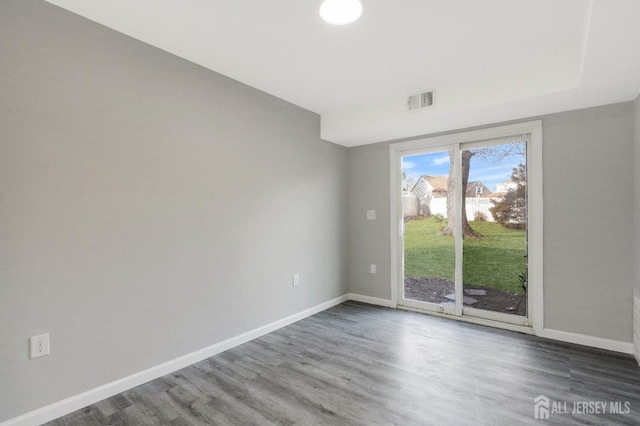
[[438, 183], [471, 189]]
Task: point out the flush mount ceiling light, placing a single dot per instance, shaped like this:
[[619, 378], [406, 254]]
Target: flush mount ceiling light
[[340, 12]]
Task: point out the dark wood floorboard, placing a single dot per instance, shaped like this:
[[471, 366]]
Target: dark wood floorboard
[[357, 364]]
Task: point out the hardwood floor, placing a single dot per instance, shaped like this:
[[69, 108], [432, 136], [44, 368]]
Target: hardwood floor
[[357, 364]]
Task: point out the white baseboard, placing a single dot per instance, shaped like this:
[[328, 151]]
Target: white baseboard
[[564, 336], [69, 405], [66, 406], [594, 342], [371, 300]]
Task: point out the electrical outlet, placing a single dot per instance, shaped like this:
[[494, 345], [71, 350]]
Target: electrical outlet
[[372, 268], [296, 280], [371, 214], [39, 346]]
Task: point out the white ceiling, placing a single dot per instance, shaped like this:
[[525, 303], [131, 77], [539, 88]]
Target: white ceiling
[[488, 61]]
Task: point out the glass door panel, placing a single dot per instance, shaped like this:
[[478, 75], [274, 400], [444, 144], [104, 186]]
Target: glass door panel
[[495, 230], [429, 255]]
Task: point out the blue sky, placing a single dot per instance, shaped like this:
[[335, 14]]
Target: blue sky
[[489, 172]]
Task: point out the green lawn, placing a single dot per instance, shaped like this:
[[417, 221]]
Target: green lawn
[[495, 260]]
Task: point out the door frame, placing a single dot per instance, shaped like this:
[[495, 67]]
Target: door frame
[[532, 131]]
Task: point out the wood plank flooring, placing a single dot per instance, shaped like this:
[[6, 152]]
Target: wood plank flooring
[[357, 364]]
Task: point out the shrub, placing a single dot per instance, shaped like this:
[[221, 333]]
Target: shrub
[[480, 217], [439, 217], [511, 211]]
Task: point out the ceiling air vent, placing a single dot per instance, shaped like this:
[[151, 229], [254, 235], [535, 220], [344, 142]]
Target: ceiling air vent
[[421, 100]]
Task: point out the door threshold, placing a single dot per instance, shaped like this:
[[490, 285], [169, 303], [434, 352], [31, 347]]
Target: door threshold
[[473, 320]]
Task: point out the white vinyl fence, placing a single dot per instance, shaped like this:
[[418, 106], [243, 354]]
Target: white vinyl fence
[[411, 206]]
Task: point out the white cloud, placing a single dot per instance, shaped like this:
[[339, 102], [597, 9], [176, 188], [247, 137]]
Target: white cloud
[[440, 160]]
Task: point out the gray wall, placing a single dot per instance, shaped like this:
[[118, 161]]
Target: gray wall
[[369, 240], [588, 257], [636, 229], [587, 156], [636, 138], [148, 207]]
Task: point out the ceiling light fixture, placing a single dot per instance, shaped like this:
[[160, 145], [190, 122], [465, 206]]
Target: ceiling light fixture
[[340, 12]]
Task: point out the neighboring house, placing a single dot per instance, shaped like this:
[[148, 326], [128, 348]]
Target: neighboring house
[[431, 194], [407, 185], [431, 186], [436, 187], [426, 189], [477, 189]]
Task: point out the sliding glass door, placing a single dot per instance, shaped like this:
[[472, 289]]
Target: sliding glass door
[[463, 242]]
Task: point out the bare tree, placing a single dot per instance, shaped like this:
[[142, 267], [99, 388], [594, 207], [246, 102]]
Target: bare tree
[[495, 154], [467, 231], [407, 181]]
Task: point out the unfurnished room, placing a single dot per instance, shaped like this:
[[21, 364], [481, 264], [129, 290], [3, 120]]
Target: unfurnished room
[[319, 212]]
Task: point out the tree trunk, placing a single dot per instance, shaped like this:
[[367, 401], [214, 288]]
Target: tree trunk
[[467, 231]]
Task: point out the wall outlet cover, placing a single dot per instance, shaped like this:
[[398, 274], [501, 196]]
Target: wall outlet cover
[[39, 346]]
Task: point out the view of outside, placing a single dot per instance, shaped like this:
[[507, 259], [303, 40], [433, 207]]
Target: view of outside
[[494, 225]]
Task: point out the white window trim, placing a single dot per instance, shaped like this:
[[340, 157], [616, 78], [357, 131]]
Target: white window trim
[[532, 130]]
